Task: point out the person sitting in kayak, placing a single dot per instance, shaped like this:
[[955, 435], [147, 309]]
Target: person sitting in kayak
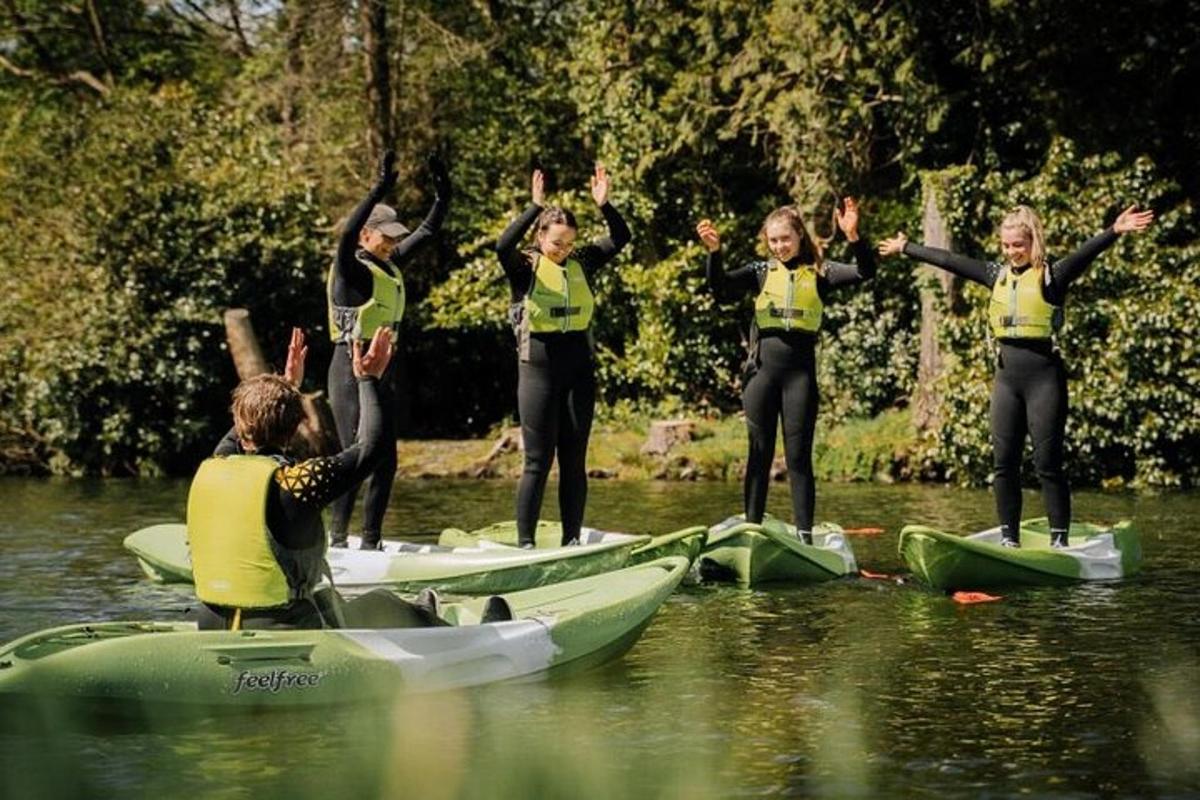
[[255, 531], [1029, 394]]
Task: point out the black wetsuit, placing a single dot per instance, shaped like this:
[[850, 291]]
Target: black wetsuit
[[295, 501], [556, 386], [781, 381], [351, 286], [1030, 391]]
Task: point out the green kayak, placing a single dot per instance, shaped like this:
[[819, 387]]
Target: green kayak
[[483, 568], [772, 552], [150, 669], [945, 561], [686, 542]]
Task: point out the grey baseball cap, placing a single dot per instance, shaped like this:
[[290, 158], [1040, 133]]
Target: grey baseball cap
[[383, 219]]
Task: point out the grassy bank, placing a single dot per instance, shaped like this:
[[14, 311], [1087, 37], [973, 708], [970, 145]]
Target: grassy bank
[[857, 450]]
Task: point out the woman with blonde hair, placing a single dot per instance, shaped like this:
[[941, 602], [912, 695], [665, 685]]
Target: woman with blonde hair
[[780, 375], [1029, 394]]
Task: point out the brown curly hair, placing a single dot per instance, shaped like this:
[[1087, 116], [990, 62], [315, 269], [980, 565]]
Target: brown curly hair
[[266, 411]]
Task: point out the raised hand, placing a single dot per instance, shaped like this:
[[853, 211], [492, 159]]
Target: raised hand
[[1132, 221], [387, 167], [376, 359], [708, 235], [893, 246], [847, 218], [600, 185], [538, 187], [441, 175], [293, 371]]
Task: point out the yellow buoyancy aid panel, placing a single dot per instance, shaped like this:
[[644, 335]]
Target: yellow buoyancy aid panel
[[385, 307], [559, 298], [788, 299], [1018, 309], [232, 561]]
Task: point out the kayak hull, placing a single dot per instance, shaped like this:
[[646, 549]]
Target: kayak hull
[[148, 669], [750, 554], [163, 554], [949, 562]]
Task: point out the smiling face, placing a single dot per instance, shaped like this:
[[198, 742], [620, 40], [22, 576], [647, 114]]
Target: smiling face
[[1017, 245], [782, 239], [377, 243], [556, 241]]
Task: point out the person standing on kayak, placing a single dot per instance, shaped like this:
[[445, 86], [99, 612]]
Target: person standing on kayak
[[1029, 393], [551, 312], [780, 374], [255, 532], [366, 292]]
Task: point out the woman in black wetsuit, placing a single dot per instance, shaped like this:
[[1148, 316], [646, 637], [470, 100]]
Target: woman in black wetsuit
[[1029, 394], [781, 374], [551, 311], [366, 292]]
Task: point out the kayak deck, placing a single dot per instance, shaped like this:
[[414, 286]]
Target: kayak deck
[[945, 561], [772, 552], [685, 542]]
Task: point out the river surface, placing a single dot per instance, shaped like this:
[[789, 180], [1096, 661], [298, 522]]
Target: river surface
[[858, 688]]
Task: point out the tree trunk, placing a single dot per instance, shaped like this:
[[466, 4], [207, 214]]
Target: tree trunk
[[926, 398], [379, 87], [296, 22]]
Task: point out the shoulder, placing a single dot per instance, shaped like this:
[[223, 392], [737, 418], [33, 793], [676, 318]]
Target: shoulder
[[305, 479]]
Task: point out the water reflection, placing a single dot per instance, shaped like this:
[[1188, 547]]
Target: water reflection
[[852, 689]]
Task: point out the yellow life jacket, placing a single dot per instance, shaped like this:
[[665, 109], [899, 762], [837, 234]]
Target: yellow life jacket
[[233, 563], [559, 298], [384, 308], [1018, 310], [788, 299]]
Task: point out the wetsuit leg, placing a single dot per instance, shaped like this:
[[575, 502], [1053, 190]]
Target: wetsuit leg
[[800, 401], [379, 486], [1046, 395], [576, 409], [537, 403], [343, 400], [1008, 442], [761, 400]]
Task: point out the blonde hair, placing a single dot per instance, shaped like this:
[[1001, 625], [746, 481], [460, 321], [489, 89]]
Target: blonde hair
[[810, 251], [1026, 220], [266, 411]]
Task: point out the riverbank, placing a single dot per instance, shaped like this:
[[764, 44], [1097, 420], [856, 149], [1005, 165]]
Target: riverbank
[[880, 449]]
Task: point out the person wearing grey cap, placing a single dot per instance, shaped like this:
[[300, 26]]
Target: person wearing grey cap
[[365, 293]]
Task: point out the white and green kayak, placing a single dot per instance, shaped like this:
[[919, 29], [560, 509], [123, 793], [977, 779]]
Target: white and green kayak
[[978, 561], [772, 552], [484, 568], [152, 668], [686, 542]]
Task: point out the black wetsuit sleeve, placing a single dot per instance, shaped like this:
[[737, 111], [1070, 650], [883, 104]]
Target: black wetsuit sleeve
[[1064, 272], [970, 269], [604, 249], [352, 282], [863, 268], [425, 231], [516, 266], [319, 481], [732, 284]]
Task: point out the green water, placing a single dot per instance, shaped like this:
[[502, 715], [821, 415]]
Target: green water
[[851, 689]]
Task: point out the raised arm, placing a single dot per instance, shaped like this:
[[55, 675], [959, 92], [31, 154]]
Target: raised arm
[[432, 223], [349, 276], [863, 268], [1065, 271], [724, 285], [970, 269], [353, 465]]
